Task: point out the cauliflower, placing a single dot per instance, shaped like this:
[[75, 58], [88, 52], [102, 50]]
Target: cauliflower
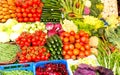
[[88, 3], [4, 37], [69, 26], [13, 36]]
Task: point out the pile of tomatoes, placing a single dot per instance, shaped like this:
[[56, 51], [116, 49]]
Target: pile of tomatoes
[[33, 54], [75, 45], [32, 39], [32, 46], [28, 10]]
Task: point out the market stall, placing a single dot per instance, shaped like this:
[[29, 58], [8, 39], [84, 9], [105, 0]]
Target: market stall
[[59, 37]]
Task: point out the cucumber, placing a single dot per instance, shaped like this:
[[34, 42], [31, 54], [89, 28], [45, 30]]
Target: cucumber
[[51, 40], [48, 44]]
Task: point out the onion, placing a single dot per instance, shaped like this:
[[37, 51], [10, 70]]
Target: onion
[[58, 26], [51, 32], [49, 26]]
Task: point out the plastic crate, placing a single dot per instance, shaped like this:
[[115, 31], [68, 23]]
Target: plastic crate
[[23, 66], [42, 63]]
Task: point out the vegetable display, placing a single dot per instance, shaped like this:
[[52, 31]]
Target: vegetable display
[[16, 72], [28, 11], [39, 31], [54, 46], [8, 52]]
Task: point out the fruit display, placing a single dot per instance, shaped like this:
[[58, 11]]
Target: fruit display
[[28, 10], [59, 37], [75, 45], [7, 10], [52, 69], [54, 46]]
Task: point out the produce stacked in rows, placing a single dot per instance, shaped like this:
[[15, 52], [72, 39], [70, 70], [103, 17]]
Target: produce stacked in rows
[[7, 10], [51, 11], [75, 45], [32, 47], [54, 46], [28, 10]]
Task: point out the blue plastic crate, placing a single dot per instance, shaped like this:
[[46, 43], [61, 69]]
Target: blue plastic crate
[[23, 66], [42, 63]]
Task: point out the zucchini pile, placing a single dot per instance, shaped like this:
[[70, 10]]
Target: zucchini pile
[[54, 46], [51, 11]]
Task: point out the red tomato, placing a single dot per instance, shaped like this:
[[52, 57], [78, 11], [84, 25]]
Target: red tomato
[[34, 15], [64, 52], [87, 47], [33, 10], [19, 15], [66, 47], [31, 19], [81, 33], [70, 52], [39, 11], [48, 54], [66, 57], [82, 48], [71, 46], [18, 10], [27, 10], [35, 1], [87, 52], [77, 36], [20, 19], [29, 3], [81, 54], [66, 40], [72, 33], [38, 15], [25, 5], [76, 52], [23, 9], [17, 4], [24, 14], [73, 57], [29, 15], [26, 19], [83, 39], [72, 39], [37, 19]]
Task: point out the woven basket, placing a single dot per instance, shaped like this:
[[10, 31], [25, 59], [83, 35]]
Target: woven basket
[[11, 61]]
